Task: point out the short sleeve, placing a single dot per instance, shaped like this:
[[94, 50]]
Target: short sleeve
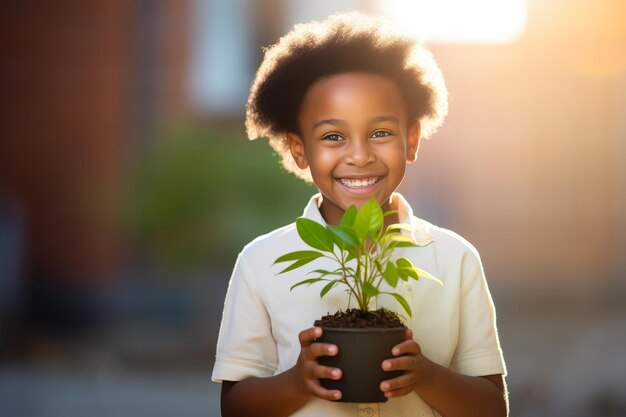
[[245, 347], [478, 351]]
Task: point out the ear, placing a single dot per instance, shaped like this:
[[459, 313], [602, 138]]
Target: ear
[[413, 142], [296, 146]]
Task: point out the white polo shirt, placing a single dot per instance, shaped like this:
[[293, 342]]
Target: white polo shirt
[[454, 324]]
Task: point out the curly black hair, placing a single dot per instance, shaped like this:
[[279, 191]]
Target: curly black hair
[[343, 42]]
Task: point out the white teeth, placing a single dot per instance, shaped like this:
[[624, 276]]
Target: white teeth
[[359, 183]]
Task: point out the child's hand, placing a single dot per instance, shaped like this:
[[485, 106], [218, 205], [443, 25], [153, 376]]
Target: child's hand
[[408, 358], [308, 371]]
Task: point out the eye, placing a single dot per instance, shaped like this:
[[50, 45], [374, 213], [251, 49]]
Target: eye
[[380, 134], [333, 137]]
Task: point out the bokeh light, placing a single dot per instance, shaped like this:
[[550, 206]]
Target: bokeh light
[[458, 21]]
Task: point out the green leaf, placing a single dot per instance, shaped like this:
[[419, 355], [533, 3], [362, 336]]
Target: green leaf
[[400, 227], [306, 282], [402, 301], [369, 219], [327, 287], [405, 244], [400, 239], [348, 216], [389, 213], [299, 255], [406, 273], [403, 263], [403, 239], [391, 274], [369, 289], [406, 269], [323, 272], [314, 234], [426, 274], [344, 237], [295, 265]]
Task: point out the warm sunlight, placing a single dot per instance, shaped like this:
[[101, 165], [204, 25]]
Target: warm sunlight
[[459, 21]]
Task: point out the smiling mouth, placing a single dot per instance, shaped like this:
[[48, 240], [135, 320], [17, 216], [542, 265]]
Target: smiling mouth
[[359, 182]]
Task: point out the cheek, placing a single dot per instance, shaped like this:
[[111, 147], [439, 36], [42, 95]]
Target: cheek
[[321, 159], [395, 156]]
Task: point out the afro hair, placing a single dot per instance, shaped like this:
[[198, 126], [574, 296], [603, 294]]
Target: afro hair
[[346, 42]]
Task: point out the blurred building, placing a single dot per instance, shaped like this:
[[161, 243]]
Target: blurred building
[[84, 85]]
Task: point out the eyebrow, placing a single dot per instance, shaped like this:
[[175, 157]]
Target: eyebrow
[[332, 122], [339, 122], [386, 118]]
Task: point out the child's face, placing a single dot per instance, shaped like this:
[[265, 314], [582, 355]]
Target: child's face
[[355, 140]]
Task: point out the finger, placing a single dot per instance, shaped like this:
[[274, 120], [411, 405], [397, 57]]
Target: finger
[[398, 393], [324, 372], [409, 347], [408, 334], [316, 389], [401, 363], [402, 384], [307, 336], [315, 350]]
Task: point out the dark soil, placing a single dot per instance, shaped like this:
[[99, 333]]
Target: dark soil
[[359, 319]]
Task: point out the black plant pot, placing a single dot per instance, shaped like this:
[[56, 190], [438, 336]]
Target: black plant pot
[[361, 353]]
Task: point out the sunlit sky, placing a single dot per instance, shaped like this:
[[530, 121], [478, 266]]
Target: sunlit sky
[[459, 21]]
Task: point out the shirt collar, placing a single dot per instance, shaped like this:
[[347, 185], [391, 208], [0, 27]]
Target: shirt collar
[[420, 232]]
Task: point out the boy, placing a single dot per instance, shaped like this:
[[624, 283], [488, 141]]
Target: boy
[[345, 102]]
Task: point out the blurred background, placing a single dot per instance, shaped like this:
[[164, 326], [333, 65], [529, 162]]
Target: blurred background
[[127, 188]]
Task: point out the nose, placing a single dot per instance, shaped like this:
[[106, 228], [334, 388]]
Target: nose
[[360, 153]]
